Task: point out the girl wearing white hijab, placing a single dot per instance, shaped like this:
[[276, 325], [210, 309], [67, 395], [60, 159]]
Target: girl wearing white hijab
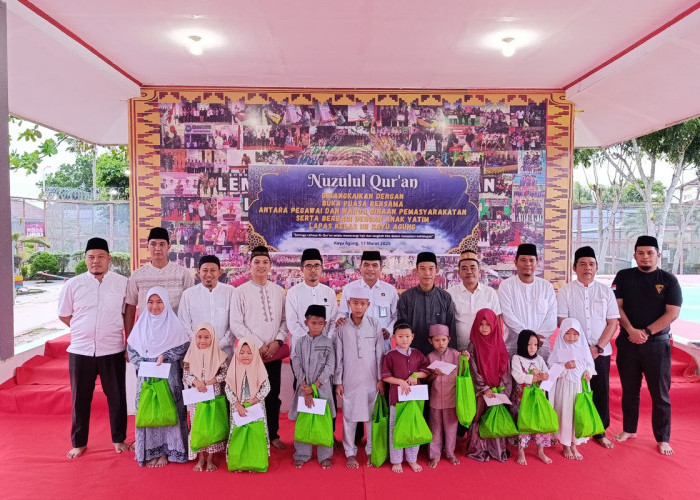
[[159, 336], [572, 352], [205, 364]]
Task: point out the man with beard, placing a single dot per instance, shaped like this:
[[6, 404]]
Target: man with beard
[[528, 302], [650, 300]]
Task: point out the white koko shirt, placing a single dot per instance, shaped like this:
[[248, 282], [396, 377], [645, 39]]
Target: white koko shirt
[[591, 305], [96, 309]]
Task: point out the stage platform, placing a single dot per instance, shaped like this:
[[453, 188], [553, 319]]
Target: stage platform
[[35, 436]]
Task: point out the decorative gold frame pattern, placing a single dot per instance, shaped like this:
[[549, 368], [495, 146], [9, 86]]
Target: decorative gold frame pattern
[[144, 139]]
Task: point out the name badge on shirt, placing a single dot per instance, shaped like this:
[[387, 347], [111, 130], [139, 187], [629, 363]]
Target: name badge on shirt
[[383, 311]]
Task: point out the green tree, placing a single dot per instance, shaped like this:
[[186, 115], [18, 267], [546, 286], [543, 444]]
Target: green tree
[[631, 193], [111, 168], [20, 254], [595, 164], [636, 161], [81, 267], [581, 193], [29, 161], [63, 260], [44, 262], [71, 175]]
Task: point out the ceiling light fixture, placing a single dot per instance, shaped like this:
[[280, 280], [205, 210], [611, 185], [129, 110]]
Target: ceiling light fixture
[[196, 45], [509, 40], [197, 40], [508, 48]]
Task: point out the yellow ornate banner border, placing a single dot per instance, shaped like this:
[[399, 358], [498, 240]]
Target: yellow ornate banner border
[[144, 139]]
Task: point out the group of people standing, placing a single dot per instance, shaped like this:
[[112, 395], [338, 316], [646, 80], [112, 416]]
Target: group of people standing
[[236, 338]]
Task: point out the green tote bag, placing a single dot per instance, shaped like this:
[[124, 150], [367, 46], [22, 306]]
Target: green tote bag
[[156, 404], [380, 432], [210, 423], [587, 421], [466, 400], [496, 422], [314, 429], [410, 427], [247, 449], [536, 415]]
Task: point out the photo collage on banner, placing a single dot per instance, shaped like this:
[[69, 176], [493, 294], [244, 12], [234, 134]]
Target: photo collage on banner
[[346, 178]]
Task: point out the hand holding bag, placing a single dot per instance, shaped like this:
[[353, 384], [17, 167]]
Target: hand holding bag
[[496, 422], [314, 429]]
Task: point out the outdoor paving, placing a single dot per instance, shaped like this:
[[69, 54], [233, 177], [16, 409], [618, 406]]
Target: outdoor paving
[[35, 314]]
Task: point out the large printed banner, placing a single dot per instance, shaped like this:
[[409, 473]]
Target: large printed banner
[[351, 209], [400, 172]]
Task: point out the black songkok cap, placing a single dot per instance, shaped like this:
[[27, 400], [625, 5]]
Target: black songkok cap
[[583, 252], [159, 233], [402, 326], [526, 249], [371, 255], [311, 254], [97, 244], [260, 251], [646, 241], [426, 257], [209, 258], [315, 310]]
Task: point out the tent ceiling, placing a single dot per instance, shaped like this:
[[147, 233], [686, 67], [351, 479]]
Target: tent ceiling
[[73, 64]]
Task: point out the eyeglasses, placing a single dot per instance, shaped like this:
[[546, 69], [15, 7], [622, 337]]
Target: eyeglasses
[[313, 267]]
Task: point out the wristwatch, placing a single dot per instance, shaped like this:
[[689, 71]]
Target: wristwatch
[[598, 348], [647, 331]]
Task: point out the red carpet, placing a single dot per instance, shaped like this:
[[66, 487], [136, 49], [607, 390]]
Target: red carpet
[[35, 427]]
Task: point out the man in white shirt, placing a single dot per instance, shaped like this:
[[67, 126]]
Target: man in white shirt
[[209, 301], [309, 292], [528, 302], [257, 311], [159, 272], [595, 307], [470, 296], [383, 296], [92, 305]]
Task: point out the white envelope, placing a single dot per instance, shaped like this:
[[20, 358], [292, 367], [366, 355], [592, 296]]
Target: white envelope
[[319, 407], [193, 396], [445, 367], [252, 413], [554, 372], [500, 399], [418, 393], [149, 369]]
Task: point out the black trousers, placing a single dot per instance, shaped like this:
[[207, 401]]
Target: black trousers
[[600, 385], [83, 372], [652, 360], [272, 401]]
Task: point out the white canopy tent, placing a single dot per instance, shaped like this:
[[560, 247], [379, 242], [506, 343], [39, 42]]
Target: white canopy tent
[[630, 66]]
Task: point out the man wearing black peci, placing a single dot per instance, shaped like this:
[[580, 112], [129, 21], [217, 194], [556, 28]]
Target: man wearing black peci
[[650, 300]]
